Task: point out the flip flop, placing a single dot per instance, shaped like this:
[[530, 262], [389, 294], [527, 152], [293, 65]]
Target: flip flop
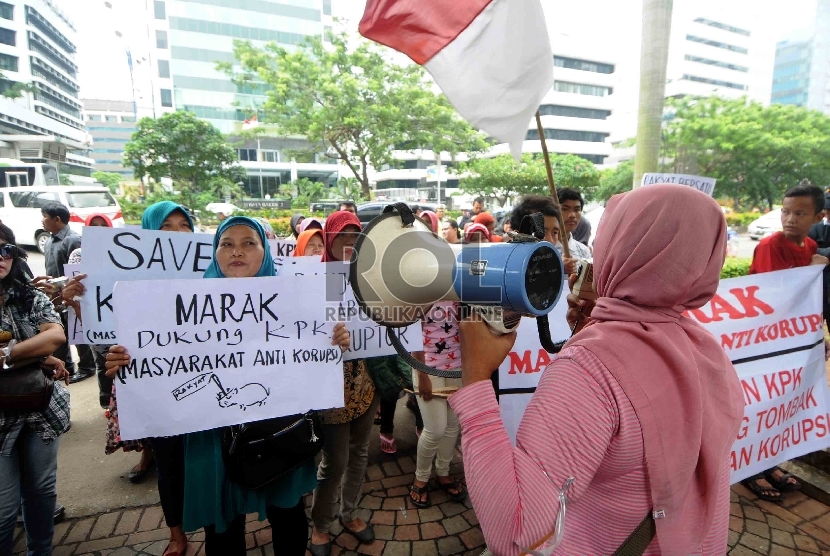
[[419, 491], [387, 444], [782, 484], [459, 495], [761, 492]]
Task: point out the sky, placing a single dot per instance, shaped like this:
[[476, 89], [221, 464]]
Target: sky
[[613, 24]]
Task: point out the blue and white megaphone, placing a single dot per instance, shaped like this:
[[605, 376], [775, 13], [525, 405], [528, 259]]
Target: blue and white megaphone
[[400, 268]]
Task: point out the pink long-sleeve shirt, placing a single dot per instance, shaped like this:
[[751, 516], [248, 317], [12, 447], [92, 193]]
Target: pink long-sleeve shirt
[[578, 424]]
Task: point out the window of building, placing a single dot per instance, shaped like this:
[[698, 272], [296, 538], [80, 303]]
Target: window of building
[[583, 65], [567, 135], [595, 158], [724, 26], [161, 38], [6, 10], [271, 156], [167, 98], [7, 36], [582, 89], [159, 9], [93, 118], [128, 119], [164, 69], [717, 82], [8, 63], [235, 31], [110, 118], [717, 44], [248, 155], [326, 7], [573, 112], [709, 62]]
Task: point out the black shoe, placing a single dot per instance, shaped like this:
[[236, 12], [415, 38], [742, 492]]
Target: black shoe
[[136, 476], [320, 549], [366, 536], [79, 376]]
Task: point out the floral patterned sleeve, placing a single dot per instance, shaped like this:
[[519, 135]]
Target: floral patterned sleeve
[[43, 311], [74, 257]]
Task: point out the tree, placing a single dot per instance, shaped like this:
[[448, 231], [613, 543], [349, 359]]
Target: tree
[[15, 89], [108, 179], [615, 180], [654, 57], [348, 100], [755, 152], [502, 178], [184, 148]]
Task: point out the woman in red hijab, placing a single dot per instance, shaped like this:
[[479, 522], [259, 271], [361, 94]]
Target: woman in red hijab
[[641, 408], [347, 430]]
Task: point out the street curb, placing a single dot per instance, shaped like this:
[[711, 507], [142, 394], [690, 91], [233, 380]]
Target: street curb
[[814, 482]]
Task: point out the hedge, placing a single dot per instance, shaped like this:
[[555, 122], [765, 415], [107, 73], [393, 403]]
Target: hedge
[[735, 267], [742, 218]]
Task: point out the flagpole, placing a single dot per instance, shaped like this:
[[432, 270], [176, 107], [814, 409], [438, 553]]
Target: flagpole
[[564, 236]]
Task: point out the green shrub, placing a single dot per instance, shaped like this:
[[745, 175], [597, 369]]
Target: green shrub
[[741, 218], [735, 267]]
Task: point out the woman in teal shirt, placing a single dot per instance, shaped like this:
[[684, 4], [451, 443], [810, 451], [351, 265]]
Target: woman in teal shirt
[[210, 499]]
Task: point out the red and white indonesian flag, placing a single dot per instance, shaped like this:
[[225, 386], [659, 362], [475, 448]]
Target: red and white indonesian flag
[[492, 58]]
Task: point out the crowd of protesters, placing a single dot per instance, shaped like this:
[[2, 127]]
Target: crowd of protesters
[[630, 425]]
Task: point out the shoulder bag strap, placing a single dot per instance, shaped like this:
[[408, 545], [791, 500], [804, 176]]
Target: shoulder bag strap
[[638, 541]]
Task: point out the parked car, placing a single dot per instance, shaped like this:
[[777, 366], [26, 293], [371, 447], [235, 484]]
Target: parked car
[[20, 208], [767, 225], [366, 212], [326, 207]]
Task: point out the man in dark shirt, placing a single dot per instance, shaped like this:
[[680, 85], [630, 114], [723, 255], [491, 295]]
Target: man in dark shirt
[[56, 252]]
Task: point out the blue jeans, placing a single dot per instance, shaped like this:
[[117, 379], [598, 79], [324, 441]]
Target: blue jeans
[[30, 474]]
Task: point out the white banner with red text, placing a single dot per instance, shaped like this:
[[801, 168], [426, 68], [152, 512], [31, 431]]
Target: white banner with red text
[[771, 327]]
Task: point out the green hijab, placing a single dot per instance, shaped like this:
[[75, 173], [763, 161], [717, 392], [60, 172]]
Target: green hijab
[[155, 215]]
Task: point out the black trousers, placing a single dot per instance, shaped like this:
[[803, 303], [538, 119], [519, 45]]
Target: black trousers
[[169, 454], [289, 528], [387, 415]]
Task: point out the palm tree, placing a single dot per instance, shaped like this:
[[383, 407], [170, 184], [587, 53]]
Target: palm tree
[[654, 56]]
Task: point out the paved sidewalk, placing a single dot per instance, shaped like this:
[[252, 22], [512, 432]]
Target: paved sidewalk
[[797, 526]]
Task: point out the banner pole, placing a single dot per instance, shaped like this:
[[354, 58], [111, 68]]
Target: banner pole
[[564, 236]]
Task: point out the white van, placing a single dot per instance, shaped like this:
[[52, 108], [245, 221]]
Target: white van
[[20, 208]]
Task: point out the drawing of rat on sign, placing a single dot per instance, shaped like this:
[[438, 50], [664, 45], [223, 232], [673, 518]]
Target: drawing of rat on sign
[[250, 395]]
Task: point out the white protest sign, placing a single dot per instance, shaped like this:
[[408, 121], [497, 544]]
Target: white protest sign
[[114, 254], [707, 185], [212, 353], [74, 331], [368, 338], [520, 372], [771, 327]]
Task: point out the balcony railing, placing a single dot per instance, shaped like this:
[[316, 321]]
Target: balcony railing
[[34, 18], [36, 44]]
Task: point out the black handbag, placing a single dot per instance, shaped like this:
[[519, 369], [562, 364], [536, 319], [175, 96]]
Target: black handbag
[[25, 390], [257, 454]]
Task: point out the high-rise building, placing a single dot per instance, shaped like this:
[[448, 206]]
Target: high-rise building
[[801, 75], [717, 51], [111, 123], [189, 37], [40, 113], [574, 116]]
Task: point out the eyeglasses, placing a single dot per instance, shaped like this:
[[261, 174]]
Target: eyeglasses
[[548, 545], [9, 251]]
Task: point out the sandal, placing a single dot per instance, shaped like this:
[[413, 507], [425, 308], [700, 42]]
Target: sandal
[[387, 444], [174, 552], [419, 492], [783, 484], [459, 495], [760, 491]]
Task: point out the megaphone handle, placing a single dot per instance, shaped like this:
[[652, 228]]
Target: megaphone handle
[[414, 363]]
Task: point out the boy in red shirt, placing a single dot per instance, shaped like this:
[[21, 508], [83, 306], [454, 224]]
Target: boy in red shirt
[[803, 206]]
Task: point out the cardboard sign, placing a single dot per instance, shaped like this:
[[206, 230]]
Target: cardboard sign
[[113, 254], [74, 331], [368, 338], [707, 185], [212, 353]]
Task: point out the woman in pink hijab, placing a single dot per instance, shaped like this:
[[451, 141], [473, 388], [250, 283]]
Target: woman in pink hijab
[[641, 407]]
